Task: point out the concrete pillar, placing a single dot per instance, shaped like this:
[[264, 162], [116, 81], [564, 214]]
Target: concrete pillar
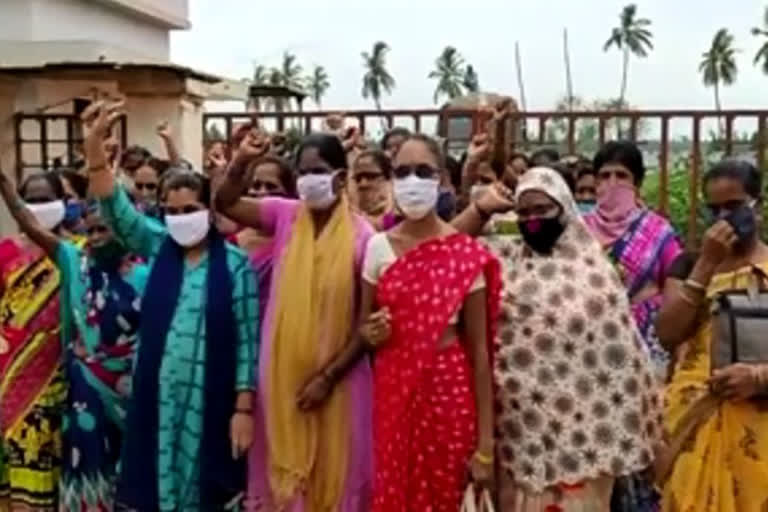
[[8, 91]]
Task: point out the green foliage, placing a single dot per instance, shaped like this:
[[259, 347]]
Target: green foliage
[[449, 73], [377, 79]]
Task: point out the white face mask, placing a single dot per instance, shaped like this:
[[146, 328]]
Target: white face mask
[[317, 190], [477, 191], [49, 214], [416, 196], [188, 229]]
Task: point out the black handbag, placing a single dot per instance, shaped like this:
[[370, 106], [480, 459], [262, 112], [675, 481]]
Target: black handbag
[[740, 324]]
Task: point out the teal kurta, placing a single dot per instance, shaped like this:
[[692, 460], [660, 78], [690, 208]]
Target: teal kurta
[[182, 371]]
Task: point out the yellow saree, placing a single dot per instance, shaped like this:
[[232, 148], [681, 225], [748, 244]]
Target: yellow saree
[[723, 465]]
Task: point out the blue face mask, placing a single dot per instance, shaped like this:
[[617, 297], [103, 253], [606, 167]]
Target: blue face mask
[[586, 207], [73, 216], [446, 205]]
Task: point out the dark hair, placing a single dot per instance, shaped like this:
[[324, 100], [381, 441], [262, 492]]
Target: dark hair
[[380, 158], [453, 167], [568, 175], [159, 165], [77, 181], [432, 146], [135, 151], [328, 147], [585, 170], [622, 152], [550, 154], [739, 170], [179, 178], [286, 174], [398, 131], [53, 179], [516, 154]]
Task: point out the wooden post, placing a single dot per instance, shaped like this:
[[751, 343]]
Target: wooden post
[[571, 135], [728, 135], [663, 167], [761, 143], [601, 129], [694, 183]]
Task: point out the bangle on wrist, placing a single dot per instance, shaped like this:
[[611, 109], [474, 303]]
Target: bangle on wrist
[[691, 301], [694, 285], [483, 458]]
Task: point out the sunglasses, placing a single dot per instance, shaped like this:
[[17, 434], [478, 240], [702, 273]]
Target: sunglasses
[[717, 211], [180, 210], [151, 187], [423, 171], [367, 176], [97, 230]]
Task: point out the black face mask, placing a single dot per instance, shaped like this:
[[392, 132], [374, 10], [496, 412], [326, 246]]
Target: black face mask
[[744, 224], [541, 234]]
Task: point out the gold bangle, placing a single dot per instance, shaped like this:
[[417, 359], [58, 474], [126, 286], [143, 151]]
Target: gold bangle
[[483, 459], [695, 285], [687, 298], [98, 168]]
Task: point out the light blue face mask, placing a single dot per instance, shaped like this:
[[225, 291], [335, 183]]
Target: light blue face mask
[[587, 207]]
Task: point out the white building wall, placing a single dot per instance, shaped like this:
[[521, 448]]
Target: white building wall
[[81, 20]]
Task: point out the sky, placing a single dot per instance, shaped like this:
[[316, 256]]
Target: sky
[[227, 37]]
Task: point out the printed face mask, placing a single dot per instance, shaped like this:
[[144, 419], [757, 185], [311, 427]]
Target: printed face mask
[[415, 196], [49, 214], [188, 229], [616, 201], [316, 190]]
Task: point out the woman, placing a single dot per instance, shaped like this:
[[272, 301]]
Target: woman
[[75, 191], [586, 188], [433, 405], [718, 431], [189, 419], [99, 313], [574, 386], [641, 243], [372, 177], [321, 459], [32, 384], [146, 186]]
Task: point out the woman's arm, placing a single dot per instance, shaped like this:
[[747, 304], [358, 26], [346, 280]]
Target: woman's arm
[[27, 222], [164, 131], [684, 296], [475, 321], [98, 118]]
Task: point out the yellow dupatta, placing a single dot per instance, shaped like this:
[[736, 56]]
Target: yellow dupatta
[[721, 465], [308, 452]]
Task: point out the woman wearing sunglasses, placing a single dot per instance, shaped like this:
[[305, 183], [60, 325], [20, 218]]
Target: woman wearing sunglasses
[[304, 459], [146, 186], [33, 388], [372, 177], [189, 420]]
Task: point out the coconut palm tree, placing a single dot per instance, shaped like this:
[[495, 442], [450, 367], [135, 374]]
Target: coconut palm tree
[[318, 84], [449, 73], [260, 74], [761, 57], [291, 72], [718, 64], [275, 79], [631, 37], [377, 80], [470, 81]]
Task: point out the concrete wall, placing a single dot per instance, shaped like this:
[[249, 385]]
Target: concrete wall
[[79, 20]]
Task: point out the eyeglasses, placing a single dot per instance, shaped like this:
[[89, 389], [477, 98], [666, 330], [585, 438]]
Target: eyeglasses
[[180, 210], [717, 211], [151, 187], [97, 230], [423, 171], [359, 177]]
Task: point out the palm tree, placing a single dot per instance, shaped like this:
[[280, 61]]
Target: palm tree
[[377, 79], [275, 79], [260, 77], [470, 81], [291, 72], [318, 84], [632, 36], [762, 53], [449, 73], [718, 64]]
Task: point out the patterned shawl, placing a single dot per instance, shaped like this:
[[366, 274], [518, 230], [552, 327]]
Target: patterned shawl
[[574, 382]]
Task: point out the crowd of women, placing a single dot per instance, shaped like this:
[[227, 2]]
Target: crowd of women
[[357, 328]]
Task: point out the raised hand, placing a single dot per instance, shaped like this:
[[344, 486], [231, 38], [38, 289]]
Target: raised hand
[[164, 130]]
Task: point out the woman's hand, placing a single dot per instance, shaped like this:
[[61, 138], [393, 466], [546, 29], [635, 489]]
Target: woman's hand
[[315, 391], [497, 199], [718, 242], [481, 472], [377, 328], [241, 433], [254, 145], [164, 131], [738, 381], [479, 148]]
